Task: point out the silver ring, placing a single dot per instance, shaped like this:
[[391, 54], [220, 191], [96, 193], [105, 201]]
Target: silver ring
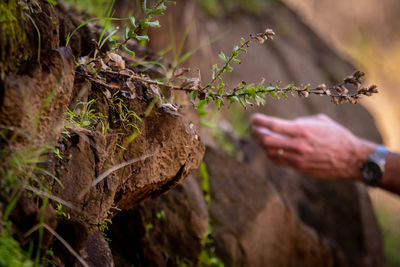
[[280, 152]]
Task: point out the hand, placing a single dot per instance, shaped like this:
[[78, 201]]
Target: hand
[[315, 145]]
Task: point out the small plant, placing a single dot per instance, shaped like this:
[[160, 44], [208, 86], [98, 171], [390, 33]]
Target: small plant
[[128, 118], [103, 227], [83, 116], [160, 215], [60, 212], [149, 226], [136, 29]]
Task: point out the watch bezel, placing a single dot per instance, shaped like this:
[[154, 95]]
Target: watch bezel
[[371, 173]]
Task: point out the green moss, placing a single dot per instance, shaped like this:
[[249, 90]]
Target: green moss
[[11, 253], [13, 36], [205, 183], [207, 256]]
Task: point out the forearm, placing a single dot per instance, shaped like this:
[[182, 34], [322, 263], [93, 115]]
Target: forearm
[[391, 179]]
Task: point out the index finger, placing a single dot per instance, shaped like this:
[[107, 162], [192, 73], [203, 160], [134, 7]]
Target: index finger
[[275, 124]]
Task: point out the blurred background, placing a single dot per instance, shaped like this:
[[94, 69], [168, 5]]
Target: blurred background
[[368, 33], [363, 32]]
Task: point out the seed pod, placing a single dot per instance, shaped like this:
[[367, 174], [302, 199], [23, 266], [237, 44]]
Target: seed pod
[[348, 79], [344, 90], [305, 93], [358, 74], [321, 87], [362, 90], [373, 89], [270, 34], [352, 100], [260, 39]]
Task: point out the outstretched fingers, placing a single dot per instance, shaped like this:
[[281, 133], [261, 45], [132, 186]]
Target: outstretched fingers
[[274, 124]]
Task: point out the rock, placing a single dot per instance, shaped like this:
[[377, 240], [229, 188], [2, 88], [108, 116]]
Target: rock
[[38, 100], [256, 225], [171, 148], [162, 231], [97, 250]]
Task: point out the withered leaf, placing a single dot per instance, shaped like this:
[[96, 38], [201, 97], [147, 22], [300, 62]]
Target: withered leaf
[[127, 72], [116, 61], [180, 71]]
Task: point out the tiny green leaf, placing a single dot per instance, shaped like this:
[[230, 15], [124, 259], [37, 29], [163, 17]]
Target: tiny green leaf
[[131, 34], [108, 37], [212, 74], [193, 95], [142, 37], [126, 31], [274, 94], [242, 40], [154, 24], [128, 50], [222, 57], [251, 90], [133, 22], [228, 68]]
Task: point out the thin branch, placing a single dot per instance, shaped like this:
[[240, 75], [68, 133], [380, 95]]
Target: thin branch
[[221, 70]]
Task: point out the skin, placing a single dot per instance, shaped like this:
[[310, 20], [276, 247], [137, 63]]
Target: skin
[[318, 146]]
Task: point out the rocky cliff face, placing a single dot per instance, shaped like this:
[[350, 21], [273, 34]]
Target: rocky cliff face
[[242, 210]]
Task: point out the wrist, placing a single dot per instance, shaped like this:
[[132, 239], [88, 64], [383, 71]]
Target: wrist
[[362, 150]]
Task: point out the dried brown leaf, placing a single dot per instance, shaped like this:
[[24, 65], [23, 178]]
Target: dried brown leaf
[[116, 61]]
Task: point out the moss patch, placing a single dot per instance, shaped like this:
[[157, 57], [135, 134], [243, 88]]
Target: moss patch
[[13, 36]]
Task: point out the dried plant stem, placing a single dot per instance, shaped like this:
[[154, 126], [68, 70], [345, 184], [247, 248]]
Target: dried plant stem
[[50, 196], [62, 240], [111, 170]]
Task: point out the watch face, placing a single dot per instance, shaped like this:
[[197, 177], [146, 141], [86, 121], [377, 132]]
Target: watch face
[[371, 172]]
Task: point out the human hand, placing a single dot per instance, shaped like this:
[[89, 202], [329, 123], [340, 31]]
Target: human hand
[[315, 145]]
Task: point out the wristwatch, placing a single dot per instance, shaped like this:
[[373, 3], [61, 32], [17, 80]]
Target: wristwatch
[[373, 169]]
